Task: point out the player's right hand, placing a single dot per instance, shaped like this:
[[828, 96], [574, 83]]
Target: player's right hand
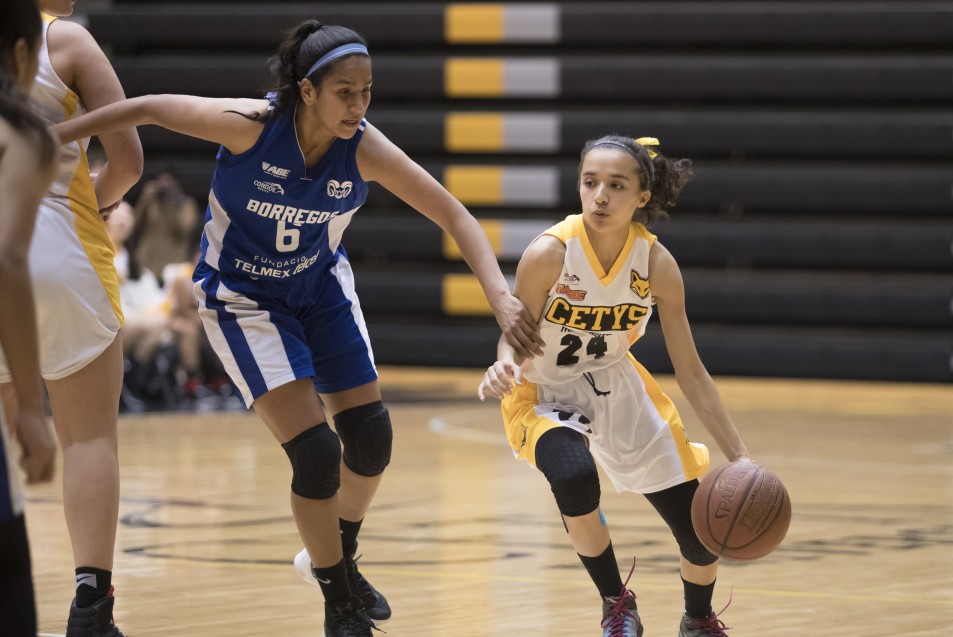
[[499, 379], [39, 447]]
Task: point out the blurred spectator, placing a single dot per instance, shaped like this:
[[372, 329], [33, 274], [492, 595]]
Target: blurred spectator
[[144, 308], [167, 223]]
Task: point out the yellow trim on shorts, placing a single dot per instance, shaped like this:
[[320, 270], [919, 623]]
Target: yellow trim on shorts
[[694, 456], [522, 426]]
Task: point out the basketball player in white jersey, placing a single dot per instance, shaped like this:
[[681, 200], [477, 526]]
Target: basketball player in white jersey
[[78, 312], [592, 281], [27, 164], [276, 290]]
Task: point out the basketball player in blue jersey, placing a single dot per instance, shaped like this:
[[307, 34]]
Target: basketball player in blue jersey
[[27, 166], [592, 281], [276, 291]]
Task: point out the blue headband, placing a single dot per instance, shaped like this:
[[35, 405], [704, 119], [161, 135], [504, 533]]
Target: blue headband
[[345, 49]]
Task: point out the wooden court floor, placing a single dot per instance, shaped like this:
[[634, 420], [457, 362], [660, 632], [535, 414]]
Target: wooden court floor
[[466, 541]]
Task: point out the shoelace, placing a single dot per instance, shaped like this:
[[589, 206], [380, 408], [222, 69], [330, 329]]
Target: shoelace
[[714, 626], [357, 622], [359, 585], [619, 611]]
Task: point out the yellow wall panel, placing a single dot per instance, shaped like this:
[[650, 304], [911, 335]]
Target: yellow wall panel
[[473, 132], [479, 185], [468, 77], [494, 232], [473, 23], [462, 295]]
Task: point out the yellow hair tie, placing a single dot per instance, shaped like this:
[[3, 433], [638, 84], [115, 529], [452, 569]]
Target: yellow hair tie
[[648, 141]]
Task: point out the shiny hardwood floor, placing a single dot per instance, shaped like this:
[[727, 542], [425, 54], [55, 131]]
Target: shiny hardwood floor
[[466, 541]]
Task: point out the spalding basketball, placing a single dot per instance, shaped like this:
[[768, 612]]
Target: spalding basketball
[[741, 511]]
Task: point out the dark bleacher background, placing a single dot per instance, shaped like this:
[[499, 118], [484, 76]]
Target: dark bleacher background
[[815, 241]]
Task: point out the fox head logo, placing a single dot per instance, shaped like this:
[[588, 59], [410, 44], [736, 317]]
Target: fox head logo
[[339, 191], [639, 284]]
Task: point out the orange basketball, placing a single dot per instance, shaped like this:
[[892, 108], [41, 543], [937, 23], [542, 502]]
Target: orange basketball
[[741, 511]]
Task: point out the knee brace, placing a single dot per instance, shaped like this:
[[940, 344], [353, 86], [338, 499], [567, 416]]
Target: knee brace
[[562, 456], [315, 457], [367, 436], [675, 506], [690, 546]]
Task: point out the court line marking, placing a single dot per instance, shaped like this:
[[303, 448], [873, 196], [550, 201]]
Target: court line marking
[[50, 635], [440, 426], [548, 581]]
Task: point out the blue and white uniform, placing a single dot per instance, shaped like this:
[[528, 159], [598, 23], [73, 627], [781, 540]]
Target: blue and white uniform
[[275, 289]]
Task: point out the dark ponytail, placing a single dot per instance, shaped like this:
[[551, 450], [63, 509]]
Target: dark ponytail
[[662, 176], [20, 20], [301, 48]]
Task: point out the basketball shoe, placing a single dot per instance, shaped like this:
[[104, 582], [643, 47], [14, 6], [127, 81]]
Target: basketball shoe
[[93, 621], [619, 615], [375, 605], [709, 626], [346, 618]]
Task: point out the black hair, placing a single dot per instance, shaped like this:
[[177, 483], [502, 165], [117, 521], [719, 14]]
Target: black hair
[[301, 47], [662, 176], [20, 20]]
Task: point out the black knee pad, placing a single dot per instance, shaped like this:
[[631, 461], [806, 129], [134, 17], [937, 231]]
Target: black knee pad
[[675, 506], [315, 457], [690, 546], [367, 436], [562, 456]]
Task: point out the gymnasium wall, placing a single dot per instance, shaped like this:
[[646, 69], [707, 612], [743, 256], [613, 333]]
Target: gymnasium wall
[[816, 239]]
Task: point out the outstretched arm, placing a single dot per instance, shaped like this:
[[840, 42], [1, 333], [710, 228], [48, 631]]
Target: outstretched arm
[[537, 272], [381, 161], [693, 379], [217, 120]]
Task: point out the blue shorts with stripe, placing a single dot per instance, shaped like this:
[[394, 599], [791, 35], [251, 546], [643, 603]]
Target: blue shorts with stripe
[[269, 333]]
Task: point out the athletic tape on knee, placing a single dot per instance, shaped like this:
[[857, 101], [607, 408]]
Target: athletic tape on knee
[[367, 436], [315, 457], [562, 456]]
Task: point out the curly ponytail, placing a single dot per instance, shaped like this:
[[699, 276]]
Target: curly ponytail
[[302, 46], [662, 176]]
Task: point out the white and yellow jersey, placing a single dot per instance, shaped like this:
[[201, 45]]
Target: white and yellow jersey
[[591, 316], [75, 286], [588, 381]]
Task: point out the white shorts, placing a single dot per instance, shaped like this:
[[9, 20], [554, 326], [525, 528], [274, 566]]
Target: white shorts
[[634, 430], [75, 289]]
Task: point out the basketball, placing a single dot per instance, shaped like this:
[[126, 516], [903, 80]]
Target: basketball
[[741, 511]]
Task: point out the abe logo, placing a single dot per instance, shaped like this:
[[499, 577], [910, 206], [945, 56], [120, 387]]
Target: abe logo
[[267, 186], [339, 191], [280, 173]]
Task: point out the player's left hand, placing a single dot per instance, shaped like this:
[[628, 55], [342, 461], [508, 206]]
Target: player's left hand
[[497, 381], [519, 328]]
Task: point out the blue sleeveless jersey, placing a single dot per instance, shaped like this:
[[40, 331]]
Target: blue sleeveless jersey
[[270, 217]]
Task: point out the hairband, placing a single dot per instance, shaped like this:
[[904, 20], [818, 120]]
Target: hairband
[[333, 54], [647, 166]]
